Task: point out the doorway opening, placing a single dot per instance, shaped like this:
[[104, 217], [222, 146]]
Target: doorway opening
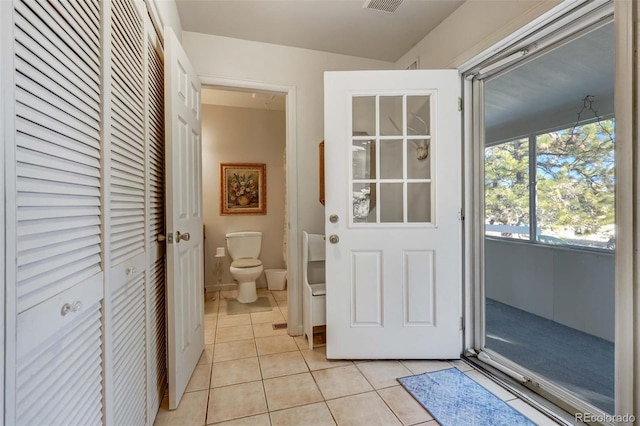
[[252, 122], [243, 127], [545, 135]]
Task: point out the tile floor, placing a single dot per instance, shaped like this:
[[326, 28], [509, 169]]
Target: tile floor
[[251, 374]]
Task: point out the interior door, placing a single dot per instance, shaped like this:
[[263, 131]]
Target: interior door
[[393, 226], [183, 161]]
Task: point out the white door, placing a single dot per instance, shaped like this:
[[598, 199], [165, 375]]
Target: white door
[[183, 161], [393, 197]]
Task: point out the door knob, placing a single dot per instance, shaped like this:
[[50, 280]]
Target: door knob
[[333, 218], [182, 237], [334, 239]]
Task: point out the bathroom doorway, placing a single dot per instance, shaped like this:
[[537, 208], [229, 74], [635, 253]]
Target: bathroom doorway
[[290, 219], [243, 127]]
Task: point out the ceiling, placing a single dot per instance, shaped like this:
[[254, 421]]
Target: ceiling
[[556, 81], [243, 99], [337, 26]]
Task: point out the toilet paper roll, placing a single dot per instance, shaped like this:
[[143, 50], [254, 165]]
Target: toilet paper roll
[[220, 252]]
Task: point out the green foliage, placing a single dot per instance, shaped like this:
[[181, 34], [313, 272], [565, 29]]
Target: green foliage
[[575, 180], [507, 183]]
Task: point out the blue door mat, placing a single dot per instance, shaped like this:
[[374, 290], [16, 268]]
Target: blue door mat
[[454, 399]]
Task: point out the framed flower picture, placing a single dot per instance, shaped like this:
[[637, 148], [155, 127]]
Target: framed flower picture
[[243, 188]]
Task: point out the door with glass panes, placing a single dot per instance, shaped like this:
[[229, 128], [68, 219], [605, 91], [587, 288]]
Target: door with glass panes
[[393, 199]]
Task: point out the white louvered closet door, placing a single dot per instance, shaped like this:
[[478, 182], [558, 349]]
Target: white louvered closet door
[[156, 325], [126, 288], [57, 289]]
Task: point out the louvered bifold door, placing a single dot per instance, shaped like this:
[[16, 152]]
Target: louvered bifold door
[[129, 375], [58, 283], [127, 404], [127, 133], [157, 347]]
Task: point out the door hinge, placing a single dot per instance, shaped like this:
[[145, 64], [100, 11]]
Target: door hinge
[[461, 215], [460, 107], [170, 237], [462, 323]]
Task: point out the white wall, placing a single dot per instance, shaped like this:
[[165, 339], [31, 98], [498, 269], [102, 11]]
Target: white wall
[[167, 12], [216, 56], [236, 135], [472, 28], [571, 287]]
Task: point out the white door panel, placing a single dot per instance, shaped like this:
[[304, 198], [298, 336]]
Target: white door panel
[[184, 215], [392, 141]]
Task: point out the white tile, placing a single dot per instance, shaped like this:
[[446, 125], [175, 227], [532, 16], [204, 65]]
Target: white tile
[[317, 414], [259, 420], [425, 366], [341, 381], [207, 355], [461, 365], [199, 378], [291, 391], [235, 371], [366, 409], [404, 406], [530, 412], [282, 364], [383, 374], [191, 411], [236, 401]]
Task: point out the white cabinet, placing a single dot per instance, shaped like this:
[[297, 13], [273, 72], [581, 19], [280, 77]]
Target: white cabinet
[[85, 288], [57, 290], [125, 313], [59, 365]]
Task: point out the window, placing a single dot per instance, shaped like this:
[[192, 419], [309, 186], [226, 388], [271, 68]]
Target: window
[[507, 189], [570, 198]]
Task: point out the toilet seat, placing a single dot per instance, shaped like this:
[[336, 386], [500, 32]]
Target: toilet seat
[[246, 262]]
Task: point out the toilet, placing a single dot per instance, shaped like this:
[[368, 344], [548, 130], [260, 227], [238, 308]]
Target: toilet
[[244, 249]]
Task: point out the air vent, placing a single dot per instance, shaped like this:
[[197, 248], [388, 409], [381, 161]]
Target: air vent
[[384, 5]]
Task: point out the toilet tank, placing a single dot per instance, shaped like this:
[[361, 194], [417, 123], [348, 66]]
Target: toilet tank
[[244, 244]]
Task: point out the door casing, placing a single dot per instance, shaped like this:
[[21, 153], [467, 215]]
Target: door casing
[[473, 128], [294, 288]]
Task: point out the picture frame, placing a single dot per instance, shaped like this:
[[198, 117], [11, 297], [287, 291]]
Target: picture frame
[[243, 189]]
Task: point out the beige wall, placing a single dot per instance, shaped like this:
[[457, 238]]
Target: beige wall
[[234, 135], [223, 57], [471, 29], [167, 11]]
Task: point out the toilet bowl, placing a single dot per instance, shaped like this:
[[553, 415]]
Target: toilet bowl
[[244, 249]]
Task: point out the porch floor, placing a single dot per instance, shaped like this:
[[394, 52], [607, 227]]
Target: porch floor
[[579, 362]]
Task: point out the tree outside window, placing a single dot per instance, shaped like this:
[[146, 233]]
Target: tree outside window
[[574, 187], [506, 188]]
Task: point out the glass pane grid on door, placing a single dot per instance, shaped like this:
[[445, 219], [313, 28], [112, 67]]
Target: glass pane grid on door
[[391, 159]]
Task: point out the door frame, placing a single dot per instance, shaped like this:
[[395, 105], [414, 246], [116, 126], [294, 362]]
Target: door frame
[[626, 304], [6, 102], [294, 289]]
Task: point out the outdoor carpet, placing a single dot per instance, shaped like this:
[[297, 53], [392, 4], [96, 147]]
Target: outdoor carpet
[[578, 362], [260, 305], [454, 399]]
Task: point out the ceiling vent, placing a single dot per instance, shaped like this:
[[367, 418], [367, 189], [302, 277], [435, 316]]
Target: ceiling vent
[[384, 5]]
